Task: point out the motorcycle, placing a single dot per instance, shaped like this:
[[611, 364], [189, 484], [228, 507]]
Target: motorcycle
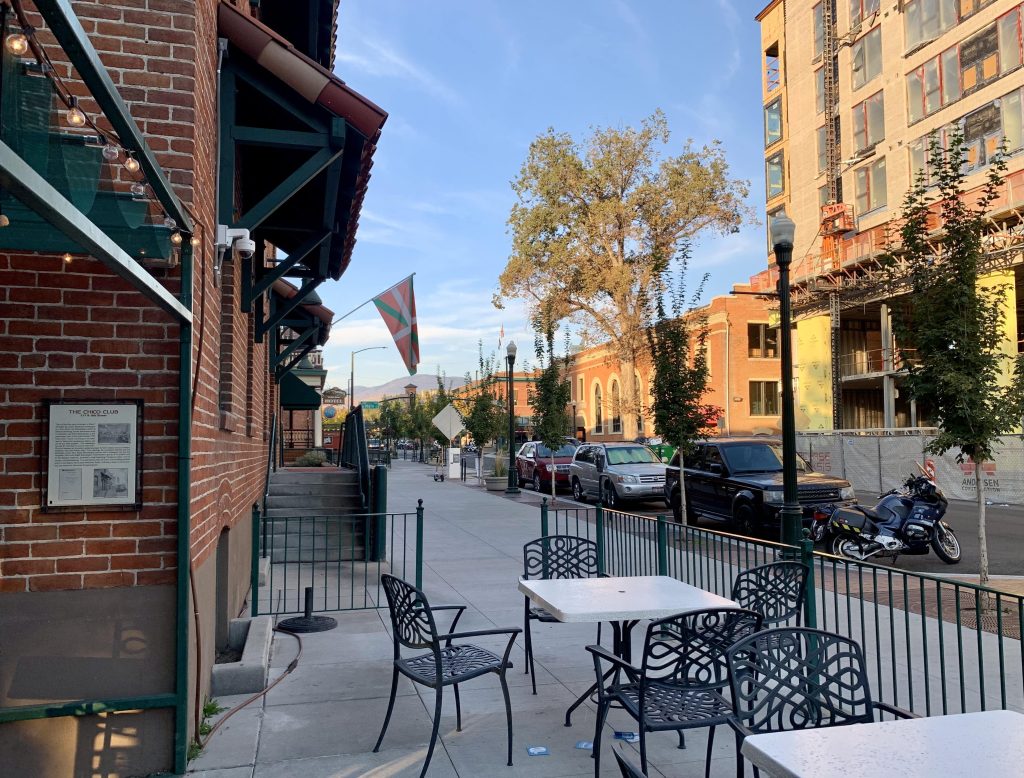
[[911, 519]]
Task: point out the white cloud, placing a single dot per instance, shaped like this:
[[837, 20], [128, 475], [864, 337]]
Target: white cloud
[[376, 57]]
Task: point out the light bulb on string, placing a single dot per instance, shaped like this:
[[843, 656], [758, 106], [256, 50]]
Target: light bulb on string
[[17, 42], [196, 241], [175, 238], [169, 222], [4, 220], [111, 152], [138, 191], [67, 259], [131, 164], [74, 115]]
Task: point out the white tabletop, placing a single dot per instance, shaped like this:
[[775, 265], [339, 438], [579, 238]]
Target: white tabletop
[[618, 599], [989, 744]]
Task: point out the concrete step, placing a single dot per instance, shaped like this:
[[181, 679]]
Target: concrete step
[[349, 554], [300, 502], [300, 489], [326, 475], [292, 512]]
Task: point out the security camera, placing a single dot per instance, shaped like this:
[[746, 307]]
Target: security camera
[[245, 248]]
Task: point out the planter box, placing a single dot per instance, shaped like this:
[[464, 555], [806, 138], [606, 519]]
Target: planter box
[[496, 483]]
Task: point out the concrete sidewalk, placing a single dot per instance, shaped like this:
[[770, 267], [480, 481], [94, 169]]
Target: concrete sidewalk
[[323, 719]]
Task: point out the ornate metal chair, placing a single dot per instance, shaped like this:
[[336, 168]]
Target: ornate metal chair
[[798, 678], [775, 590], [445, 664], [679, 685], [626, 767], [554, 556]]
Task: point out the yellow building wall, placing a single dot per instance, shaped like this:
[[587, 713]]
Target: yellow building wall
[[1006, 279], [813, 372]]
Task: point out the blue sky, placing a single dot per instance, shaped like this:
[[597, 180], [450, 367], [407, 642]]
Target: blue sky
[[468, 86]]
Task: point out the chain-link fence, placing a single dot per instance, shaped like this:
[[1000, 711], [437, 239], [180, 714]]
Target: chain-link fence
[[880, 460]]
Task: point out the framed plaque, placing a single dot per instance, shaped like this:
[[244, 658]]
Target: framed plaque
[[93, 454]]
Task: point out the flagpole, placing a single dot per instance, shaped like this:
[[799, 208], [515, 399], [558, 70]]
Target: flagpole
[[371, 299]]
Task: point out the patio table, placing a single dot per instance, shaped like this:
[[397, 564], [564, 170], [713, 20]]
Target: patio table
[[622, 601], [988, 743]]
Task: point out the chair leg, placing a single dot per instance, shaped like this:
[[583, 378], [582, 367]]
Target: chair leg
[[458, 710], [391, 707], [602, 717], [643, 749], [707, 759], [433, 732], [682, 738], [739, 756], [508, 713], [526, 637]]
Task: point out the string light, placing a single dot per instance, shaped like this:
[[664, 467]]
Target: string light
[[131, 164], [111, 152], [17, 43], [138, 191], [4, 220], [67, 259], [169, 223], [74, 115], [175, 238], [196, 240]]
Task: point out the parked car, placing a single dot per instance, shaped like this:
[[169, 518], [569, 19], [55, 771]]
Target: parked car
[[533, 464], [740, 480], [616, 472], [657, 444]]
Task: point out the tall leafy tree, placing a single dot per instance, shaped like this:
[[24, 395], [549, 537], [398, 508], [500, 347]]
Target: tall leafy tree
[[950, 324], [677, 345], [479, 404], [597, 222], [551, 392]]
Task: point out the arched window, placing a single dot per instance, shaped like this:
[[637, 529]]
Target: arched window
[[616, 408], [598, 418]]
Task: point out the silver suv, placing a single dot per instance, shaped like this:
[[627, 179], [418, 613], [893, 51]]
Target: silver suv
[[616, 472]]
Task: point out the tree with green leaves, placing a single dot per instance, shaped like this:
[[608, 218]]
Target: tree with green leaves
[[950, 324], [552, 392], [677, 345], [393, 418], [597, 223], [480, 406]]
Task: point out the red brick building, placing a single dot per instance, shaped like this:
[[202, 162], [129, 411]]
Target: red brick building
[[131, 130]]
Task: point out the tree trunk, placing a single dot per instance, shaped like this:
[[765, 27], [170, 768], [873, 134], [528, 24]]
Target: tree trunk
[[553, 478], [682, 496], [982, 540]]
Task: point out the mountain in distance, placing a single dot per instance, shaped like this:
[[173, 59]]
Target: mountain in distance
[[423, 381]]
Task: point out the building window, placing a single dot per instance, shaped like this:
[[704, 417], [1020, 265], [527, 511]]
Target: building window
[[1013, 126], [764, 398], [823, 197], [867, 58], [579, 390], [773, 122], [775, 175], [979, 59], [772, 68], [1009, 41], [821, 145], [598, 417], [868, 122], [925, 20], [861, 10], [869, 186], [616, 408], [762, 341], [982, 134], [970, 7], [819, 30], [819, 90], [639, 401], [935, 84]]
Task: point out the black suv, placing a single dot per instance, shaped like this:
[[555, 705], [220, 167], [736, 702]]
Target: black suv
[[740, 480]]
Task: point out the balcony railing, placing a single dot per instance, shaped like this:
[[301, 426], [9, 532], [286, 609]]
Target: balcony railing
[[872, 361]]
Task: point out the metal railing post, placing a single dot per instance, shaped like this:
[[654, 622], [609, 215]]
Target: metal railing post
[[810, 604], [662, 546], [599, 532], [419, 544], [544, 517], [378, 511], [255, 571]]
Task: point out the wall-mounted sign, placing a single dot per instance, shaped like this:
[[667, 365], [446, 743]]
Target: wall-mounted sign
[[94, 454]]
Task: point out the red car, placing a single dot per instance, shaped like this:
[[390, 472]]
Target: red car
[[533, 465]]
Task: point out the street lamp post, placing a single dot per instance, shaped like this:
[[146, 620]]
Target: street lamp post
[[352, 375], [783, 230], [513, 480], [572, 428]]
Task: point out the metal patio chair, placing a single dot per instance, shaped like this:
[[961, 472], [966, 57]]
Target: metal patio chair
[[554, 556], [626, 766], [680, 682], [798, 678], [446, 663], [775, 590]]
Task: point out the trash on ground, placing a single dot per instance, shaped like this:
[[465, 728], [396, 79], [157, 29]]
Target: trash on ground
[[537, 751], [585, 745], [629, 737]]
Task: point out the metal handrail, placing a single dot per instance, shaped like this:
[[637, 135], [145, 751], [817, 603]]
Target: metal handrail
[[355, 452], [271, 461]]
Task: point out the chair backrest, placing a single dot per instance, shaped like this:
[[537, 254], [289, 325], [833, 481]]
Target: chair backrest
[[689, 648], [626, 767], [775, 590], [798, 678], [560, 556], [412, 623]]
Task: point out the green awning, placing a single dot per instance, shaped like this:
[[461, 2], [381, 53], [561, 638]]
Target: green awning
[[296, 395]]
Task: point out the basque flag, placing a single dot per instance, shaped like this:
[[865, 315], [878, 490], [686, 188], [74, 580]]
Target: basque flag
[[398, 308]]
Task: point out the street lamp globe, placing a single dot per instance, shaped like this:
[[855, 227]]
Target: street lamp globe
[[783, 230]]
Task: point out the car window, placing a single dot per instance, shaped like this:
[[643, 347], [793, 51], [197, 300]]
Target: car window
[[695, 459], [759, 458], [675, 460], [583, 454], [712, 456], [565, 451], [631, 455]]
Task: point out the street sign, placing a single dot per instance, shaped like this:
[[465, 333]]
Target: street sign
[[370, 406], [449, 422]]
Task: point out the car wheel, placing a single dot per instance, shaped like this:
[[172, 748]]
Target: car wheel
[[744, 520], [577, 491], [611, 497], [536, 482]]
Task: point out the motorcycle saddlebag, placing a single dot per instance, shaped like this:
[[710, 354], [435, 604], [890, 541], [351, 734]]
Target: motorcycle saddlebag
[[851, 521]]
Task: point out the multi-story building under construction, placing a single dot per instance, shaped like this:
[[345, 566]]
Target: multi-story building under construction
[[852, 92]]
